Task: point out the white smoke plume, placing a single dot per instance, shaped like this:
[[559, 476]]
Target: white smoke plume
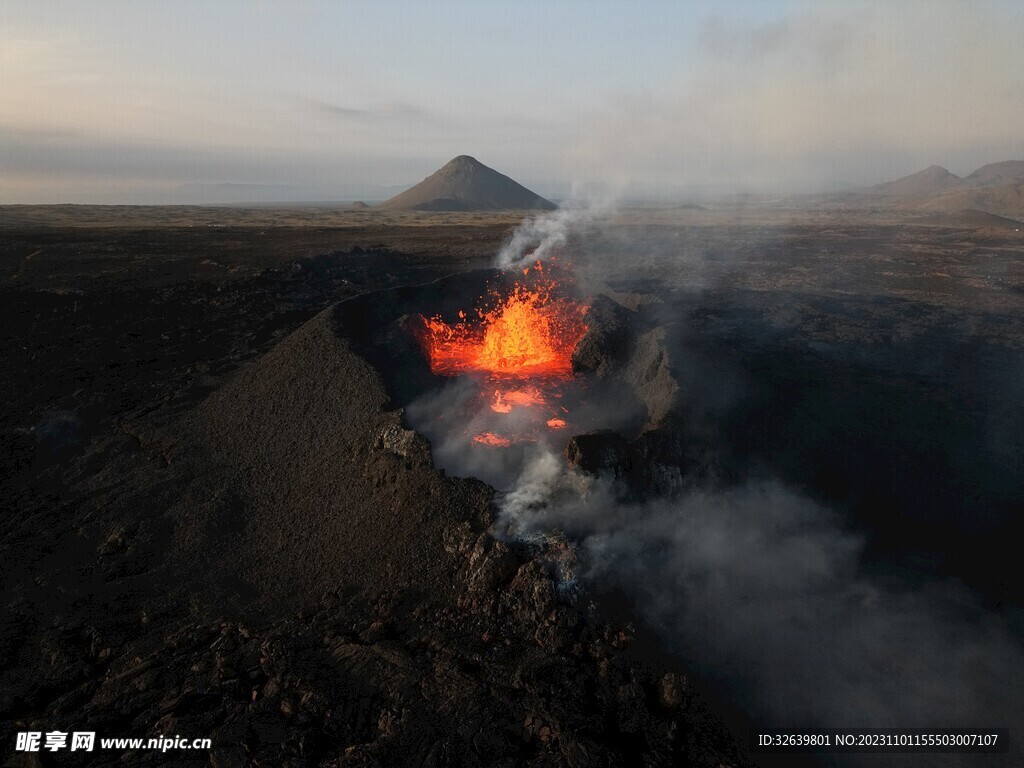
[[545, 235], [764, 594]]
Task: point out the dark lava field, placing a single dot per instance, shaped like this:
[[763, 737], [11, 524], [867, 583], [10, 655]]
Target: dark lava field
[[217, 520]]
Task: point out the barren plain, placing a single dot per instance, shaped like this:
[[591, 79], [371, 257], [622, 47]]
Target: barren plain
[[216, 521]]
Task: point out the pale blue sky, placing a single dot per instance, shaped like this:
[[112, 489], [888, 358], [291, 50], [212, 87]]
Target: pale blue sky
[[145, 101]]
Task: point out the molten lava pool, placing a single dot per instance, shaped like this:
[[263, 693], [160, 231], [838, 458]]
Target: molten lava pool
[[518, 344]]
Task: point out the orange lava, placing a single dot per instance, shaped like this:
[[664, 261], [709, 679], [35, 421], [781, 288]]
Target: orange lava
[[504, 402], [491, 439], [518, 344], [530, 332]]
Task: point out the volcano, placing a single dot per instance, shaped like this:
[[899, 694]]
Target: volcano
[[519, 350], [466, 184]]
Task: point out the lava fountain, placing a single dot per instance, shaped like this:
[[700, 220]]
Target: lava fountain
[[518, 344]]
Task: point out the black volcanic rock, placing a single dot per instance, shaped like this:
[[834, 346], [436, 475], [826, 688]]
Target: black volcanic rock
[[336, 492], [466, 184], [281, 568], [625, 350], [605, 346], [600, 451]]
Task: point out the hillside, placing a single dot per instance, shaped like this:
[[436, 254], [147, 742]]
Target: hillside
[[1009, 172], [931, 180], [996, 189], [466, 184]]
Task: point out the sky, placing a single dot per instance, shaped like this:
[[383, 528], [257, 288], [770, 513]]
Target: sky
[[146, 102]]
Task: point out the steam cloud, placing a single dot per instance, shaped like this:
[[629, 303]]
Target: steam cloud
[[543, 236], [449, 417], [763, 592]]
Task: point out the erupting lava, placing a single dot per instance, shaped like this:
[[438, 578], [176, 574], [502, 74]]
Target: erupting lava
[[531, 332], [522, 347], [504, 402], [491, 439]]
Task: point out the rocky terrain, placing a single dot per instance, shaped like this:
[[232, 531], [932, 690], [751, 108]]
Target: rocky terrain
[[217, 527], [218, 523]]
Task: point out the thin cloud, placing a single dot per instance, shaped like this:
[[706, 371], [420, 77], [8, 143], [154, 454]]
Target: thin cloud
[[803, 98], [824, 98], [394, 111]]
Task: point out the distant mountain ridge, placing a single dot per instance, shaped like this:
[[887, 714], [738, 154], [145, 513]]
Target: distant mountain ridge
[[466, 184], [998, 174], [931, 180], [997, 188]]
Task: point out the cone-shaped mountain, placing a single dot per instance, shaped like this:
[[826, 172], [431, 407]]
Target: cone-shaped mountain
[[466, 184]]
